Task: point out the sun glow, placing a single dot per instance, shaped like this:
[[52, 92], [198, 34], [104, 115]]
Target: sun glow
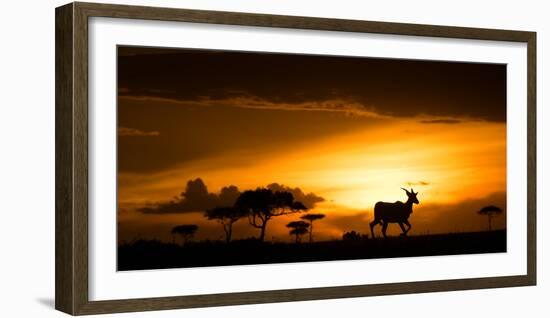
[[339, 133], [445, 163]]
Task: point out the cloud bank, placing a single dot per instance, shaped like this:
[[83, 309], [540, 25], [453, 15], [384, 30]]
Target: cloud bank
[[196, 198], [132, 132], [441, 121], [398, 88]]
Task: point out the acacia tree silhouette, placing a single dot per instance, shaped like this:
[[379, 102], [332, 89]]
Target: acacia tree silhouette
[[311, 218], [299, 228], [262, 204], [186, 231], [226, 216], [490, 211]]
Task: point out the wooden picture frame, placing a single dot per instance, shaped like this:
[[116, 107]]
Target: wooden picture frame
[[72, 280]]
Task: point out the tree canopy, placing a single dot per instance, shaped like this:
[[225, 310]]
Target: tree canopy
[[262, 204], [311, 218], [298, 228], [185, 230], [490, 211]]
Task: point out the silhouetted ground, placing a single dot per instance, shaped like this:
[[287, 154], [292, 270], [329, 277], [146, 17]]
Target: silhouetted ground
[[155, 255]]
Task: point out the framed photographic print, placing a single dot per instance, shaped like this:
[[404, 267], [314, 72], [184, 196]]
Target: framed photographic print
[[218, 158]]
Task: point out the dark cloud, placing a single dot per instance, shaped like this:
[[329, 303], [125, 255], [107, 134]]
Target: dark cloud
[[309, 199], [188, 133], [441, 121], [418, 183], [132, 132], [196, 197], [401, 88]]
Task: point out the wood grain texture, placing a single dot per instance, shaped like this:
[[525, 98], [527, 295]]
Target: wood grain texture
[[80, 146], [297, 22], [72, 157], [165, 303], [532, 158], [64, 235]]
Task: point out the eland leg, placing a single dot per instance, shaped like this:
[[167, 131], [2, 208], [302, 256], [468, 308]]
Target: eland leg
[[409, 226], [403, 229], [384, 228]]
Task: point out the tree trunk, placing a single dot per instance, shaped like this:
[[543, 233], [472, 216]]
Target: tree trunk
[[262, 231], [228, 233], [490, 217]]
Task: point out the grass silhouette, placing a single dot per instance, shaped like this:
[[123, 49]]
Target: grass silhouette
[[152, 254]]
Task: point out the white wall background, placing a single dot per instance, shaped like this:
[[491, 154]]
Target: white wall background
[[27, 158]]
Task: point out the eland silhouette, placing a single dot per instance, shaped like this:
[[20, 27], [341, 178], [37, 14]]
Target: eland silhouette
[[397, 212]]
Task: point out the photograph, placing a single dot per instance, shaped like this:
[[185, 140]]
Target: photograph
[[231, 158]]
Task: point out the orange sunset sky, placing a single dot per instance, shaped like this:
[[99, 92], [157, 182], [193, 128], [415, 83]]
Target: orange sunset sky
[[341, 133]]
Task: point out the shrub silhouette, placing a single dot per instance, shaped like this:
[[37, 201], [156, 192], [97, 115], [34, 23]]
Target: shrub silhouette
[[311, 218], [187, 231], [262, 204], [298, 228], [354, 236], [226, 216], [490, 211]]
